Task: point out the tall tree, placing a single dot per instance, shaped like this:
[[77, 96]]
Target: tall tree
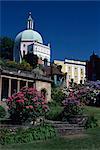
[[6, 48]]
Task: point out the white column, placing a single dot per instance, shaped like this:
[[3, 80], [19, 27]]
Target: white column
[[72, 72], [0, 87], [84, 73], [79, 78], [9, 89], [67, 80], [18, 85]]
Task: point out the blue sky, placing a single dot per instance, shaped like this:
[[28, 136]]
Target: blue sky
[[71, 27]]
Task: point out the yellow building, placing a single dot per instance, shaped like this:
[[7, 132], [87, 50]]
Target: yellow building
[[76, 70]]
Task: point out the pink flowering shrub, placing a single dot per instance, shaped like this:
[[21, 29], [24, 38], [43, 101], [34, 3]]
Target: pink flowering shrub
[[26, 105]]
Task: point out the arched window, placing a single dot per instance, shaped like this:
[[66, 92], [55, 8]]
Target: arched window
[[44, 92], [24, 45], [45, 62]]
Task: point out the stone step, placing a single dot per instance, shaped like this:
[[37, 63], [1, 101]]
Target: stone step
[[69, 131], [70, 128], [66, 125]]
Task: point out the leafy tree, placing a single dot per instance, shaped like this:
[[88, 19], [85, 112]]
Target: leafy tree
[[6, 48], [31, 59]]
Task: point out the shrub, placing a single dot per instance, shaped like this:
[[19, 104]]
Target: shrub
[[26, 105], [12, 64], [57, 95], [2, 112], [42, 132], [24, 66], [54, 111], [91, 122], [72, 106], [2, 62]]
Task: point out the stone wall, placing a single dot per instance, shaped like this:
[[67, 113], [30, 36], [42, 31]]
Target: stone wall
[[44, 85]]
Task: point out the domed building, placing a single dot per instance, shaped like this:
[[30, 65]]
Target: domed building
[[30, 41]]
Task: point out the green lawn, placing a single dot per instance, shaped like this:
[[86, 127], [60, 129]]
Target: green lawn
[[93, 111], [89, 141]]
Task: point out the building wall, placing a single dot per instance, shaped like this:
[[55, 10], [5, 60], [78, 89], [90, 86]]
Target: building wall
[[76, 70], [42, 51], [7, 87], [58, 62], [44, 85], [24, 46]]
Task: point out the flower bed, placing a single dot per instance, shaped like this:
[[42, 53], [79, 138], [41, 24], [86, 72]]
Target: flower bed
[[26, 105], [11, 136]]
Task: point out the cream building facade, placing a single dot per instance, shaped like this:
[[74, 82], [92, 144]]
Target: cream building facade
[[76, 70]]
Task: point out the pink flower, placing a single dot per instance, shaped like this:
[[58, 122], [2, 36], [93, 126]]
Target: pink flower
[[27, 106], [30, 106], [20, 101], [9, 99], [43, 103]]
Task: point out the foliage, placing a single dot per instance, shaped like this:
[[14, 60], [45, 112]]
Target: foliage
[[12, 64], [6, 48], [42, 132], [54, 111], [57, 95], [26, 105], [2, 62], [91, 122], [2, 112], [31, 59], [24, 66], [72, 106], [87, 93]]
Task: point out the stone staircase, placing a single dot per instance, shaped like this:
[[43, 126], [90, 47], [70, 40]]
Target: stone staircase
[[64, 128]]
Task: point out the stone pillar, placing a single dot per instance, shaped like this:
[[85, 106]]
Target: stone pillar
[[55, 79], [0, 87], [9, 89], [18, 85], [26, 83], [67, 80]]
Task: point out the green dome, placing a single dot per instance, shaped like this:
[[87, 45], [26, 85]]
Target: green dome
[[28, 35]]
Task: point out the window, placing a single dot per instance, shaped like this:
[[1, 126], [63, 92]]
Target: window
[[45, 62], [82, 71], [75, 77], [44, 92], [41, 58], [24, 45], [68, 68], [75, 69]]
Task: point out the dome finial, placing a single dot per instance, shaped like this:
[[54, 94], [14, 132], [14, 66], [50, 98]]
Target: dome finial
[[30, 22], [30, 13], [93, 52]]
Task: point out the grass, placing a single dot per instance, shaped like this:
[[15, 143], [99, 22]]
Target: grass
[[89, 141], [93, 111]]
